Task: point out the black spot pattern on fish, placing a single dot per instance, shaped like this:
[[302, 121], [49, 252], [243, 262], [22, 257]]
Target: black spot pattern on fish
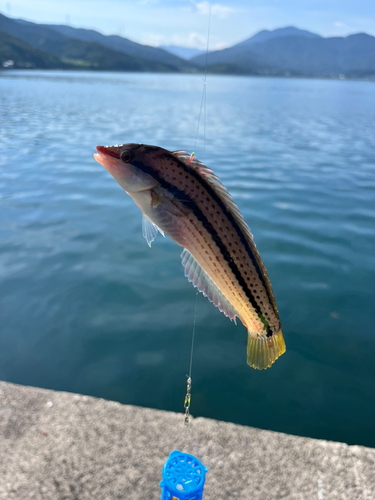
[[191, 205]]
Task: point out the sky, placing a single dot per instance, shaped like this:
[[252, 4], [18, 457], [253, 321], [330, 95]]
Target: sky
[[185, 22]]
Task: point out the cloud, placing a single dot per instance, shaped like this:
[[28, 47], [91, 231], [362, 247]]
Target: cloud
[[196, 40], [218, 10], [220, 46], [154, 40], [192, 40], [338, 24]]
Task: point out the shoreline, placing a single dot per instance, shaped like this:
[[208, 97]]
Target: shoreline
[[335, 77], [58, 445]]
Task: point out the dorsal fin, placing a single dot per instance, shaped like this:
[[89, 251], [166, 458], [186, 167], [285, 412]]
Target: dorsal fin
[[217, 186], [200, 279]]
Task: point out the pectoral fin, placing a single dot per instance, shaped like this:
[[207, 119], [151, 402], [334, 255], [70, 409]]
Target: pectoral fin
[[150, 230]]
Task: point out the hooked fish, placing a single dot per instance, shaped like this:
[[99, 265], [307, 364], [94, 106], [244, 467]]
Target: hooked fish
[[181, 197]]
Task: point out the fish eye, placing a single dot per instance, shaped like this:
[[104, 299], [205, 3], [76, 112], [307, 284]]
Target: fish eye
[[126, 156]]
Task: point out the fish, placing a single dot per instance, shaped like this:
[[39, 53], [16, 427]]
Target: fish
[[181, 197]]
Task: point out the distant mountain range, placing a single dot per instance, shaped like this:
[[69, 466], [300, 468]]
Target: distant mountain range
[[265, 35], [290, 51], [281, 52], [88, 49], [183, 52], [23, 55]]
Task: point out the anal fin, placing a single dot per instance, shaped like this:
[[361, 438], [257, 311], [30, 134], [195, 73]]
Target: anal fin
[[200, 279]]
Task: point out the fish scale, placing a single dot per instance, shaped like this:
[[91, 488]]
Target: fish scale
[[181, 197], [220, 223], [209, 258]]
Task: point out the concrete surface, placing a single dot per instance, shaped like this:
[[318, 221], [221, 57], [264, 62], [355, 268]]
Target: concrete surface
[[56, 445]]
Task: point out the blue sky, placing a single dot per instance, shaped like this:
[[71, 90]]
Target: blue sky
[[184, 22]]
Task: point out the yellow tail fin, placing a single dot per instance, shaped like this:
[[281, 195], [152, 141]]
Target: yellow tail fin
[[263, 351]]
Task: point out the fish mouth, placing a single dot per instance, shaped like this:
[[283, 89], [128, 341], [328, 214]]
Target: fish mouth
[[104, 151]]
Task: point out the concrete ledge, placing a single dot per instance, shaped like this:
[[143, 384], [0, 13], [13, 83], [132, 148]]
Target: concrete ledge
[[56, 445]]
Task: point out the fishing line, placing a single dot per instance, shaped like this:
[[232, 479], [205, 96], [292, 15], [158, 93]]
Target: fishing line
[[192, 339], [203, 99], [203, 106], [194, 444], [188, 382]]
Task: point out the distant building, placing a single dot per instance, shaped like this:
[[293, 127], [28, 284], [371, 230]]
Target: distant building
[[8, 64]]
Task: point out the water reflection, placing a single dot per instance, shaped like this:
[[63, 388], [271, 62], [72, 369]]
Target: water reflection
[[88, 307]]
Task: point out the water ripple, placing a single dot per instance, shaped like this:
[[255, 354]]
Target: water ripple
[[88, 307]]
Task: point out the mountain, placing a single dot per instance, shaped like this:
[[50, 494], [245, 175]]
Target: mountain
[[281, 52], [301, 54], [266, 35], [323, 56], [235, 60], [24, 55], [243, 54], [119, 44], [83, 53], [183, 52]]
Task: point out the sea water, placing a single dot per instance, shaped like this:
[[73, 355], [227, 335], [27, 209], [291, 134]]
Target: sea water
[[87, 306]]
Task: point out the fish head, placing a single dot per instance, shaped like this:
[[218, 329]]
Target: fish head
[[126, 163]]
